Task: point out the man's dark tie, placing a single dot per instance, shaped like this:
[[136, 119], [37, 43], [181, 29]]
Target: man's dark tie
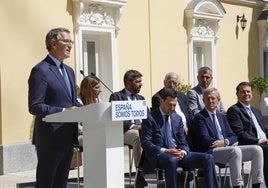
[[133, 97], [169, 139], [66, 80], [136, 121], [219, 134]]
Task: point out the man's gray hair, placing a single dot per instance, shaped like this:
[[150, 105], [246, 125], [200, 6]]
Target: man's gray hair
[[54, 35], [210, 90], [204, 69], [171, 74]]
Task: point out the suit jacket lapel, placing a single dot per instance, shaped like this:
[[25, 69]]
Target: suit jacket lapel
[[158, 117], [258, 119], [174, 126], [243, 110], [245, 113], [211, 127], [124, 95], [58, 75]]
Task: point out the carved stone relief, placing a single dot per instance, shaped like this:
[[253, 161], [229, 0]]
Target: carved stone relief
[[98, 14], [202, 28]]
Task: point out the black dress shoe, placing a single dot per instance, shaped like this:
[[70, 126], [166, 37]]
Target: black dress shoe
[[141, 182], [200, 173], [181, 176]]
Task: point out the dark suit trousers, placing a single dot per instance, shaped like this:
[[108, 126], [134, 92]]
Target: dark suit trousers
[[265, 160], [193, 160], [53, 166]]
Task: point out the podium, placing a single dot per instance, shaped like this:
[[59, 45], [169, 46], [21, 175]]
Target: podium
[[103, 150]]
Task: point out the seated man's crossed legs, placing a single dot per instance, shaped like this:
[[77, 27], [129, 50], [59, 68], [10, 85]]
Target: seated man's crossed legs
[[235, 156], [131, 137]]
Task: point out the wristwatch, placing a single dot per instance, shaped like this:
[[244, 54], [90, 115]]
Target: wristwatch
[[226, 142]]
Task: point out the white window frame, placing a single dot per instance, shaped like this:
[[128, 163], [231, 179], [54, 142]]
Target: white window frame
[[202, 26]]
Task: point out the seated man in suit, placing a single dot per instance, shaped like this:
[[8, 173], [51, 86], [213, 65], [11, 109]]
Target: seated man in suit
[[247, 122], [195, 95], [133, 83], [182, 108], [163, 141], [215, 136]]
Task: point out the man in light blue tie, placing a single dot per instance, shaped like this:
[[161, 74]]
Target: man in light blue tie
[[214, 135], [247, 122]]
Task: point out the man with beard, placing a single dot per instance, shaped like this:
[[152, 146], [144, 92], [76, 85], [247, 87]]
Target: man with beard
[[132, 83]]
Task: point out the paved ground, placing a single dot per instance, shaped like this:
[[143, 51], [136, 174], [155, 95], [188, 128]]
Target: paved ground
[[12, 180]]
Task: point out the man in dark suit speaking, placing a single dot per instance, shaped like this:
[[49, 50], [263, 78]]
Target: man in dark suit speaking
[[52, 89], [165, 146]]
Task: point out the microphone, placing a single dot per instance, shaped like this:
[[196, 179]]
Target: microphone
[[92, 74], [82, 72]]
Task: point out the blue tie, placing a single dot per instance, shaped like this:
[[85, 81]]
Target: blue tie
[[219, 134], [66, 80], [136, 121], [260, 132], [168, 134]]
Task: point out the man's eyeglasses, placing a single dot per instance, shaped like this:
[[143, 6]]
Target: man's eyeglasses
[[67, 41]]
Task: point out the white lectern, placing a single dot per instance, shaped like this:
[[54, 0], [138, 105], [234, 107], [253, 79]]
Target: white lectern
[[103, 151]]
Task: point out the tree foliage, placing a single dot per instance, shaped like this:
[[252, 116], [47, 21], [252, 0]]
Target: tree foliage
[[259, 84]]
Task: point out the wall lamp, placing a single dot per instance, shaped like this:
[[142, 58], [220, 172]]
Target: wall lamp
[[243, 21]]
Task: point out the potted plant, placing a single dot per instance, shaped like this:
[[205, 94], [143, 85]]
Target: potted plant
[[184, 88], [260, 85]]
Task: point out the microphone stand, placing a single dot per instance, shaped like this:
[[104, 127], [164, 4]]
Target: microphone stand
[[82, 72], [92, 74]]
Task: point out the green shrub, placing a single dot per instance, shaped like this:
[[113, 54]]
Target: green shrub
[[259, 84], [184, 88]]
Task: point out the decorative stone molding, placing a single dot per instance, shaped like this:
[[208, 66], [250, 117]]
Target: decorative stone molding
[[259, 3], [98, 13], [202, 28], [203, 18]]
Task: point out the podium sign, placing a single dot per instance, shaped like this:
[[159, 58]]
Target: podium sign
[[103, 149], [129, 110]]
